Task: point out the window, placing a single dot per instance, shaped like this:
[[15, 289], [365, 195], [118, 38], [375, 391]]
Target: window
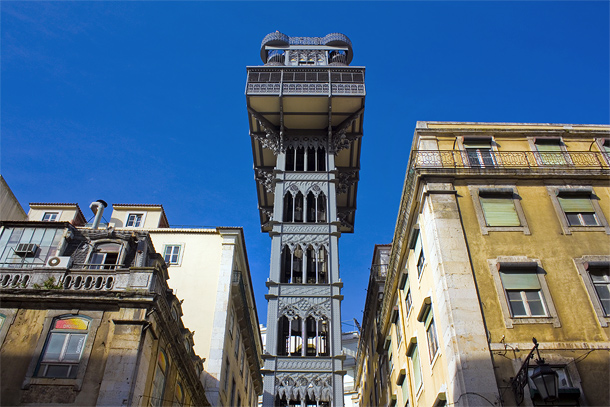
[[499, 209], [601, 281], [408, 301], [63, 348], [578, 209], [237, 342], [134, 220], [523, 292], [413, 354], [478, 152], [233, 391], [595, 274], [226, 382], [50, 216], [550, 151], [397, 325], [178, 395], [231, 322], [420, 263], [156, 397], [105, 256], [172, 254], [604, 147], [431, 335]]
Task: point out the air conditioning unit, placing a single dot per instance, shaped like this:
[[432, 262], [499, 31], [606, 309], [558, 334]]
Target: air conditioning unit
[[26, 249], [60, 262]]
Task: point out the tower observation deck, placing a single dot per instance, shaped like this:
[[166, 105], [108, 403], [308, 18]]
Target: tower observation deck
[[305, 109]]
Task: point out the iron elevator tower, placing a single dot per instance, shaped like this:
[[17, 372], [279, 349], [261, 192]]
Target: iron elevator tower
[[305, 110]]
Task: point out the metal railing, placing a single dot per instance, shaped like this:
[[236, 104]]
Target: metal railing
[[508, 159]]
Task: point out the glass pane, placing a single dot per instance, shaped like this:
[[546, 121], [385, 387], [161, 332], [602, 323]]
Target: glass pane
[[516, 303], [603, 292], [58, 371], [54, 347], [535, 303], [589, 219], [573, 219], [598, 275], [75, 346]]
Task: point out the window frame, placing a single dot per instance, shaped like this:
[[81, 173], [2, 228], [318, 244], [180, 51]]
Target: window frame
[[509, 190], [493, 148], [180, 246], [52, 315], [142, 219], [122, 253], [411, 350], [601, 141], [567, 160], [581, 267], [9, 317], [527, 263], [426, 316], [56, 213], [556, 191]]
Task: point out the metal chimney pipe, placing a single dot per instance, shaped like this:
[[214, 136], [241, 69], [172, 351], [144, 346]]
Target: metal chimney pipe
[[98, 210]]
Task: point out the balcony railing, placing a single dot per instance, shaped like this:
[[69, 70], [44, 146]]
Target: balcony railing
[[509, 159]]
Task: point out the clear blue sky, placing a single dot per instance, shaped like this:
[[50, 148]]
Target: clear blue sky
[[143, 102]]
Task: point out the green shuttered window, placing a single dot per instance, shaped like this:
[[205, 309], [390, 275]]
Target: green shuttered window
[[520, 280], [499, 211]]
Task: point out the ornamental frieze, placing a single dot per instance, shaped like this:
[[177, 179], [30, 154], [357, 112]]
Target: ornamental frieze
[[304, 187], [304, 290], [304, 364], [293, 386], [307, 239], [295, 307]]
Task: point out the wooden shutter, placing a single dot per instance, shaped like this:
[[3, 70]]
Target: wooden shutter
[[520, 280], [499, 211], [578, 204]]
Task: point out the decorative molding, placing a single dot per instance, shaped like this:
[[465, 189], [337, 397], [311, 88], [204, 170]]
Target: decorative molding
[[304, 228], [294, 386], [309, 176], [304, 187], [304, 290], [305, 240], [299, 307], [346, 180], [266, 178], [304, 364], [343, 214], [305, 141]]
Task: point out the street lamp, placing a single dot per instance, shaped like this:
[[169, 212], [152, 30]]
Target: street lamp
[[544, 378]]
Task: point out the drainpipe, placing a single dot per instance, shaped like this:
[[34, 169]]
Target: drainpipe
[[98, 209]]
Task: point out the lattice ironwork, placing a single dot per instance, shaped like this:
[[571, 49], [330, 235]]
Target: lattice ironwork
[[508, 159]]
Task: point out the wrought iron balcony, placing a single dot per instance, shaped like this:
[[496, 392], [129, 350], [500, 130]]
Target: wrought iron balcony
[[488, 159], [305, 81]]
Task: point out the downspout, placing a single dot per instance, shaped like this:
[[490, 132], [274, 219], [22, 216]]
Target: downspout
[[98, 210]]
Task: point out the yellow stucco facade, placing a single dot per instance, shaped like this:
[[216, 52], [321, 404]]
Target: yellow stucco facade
[[502, 237]]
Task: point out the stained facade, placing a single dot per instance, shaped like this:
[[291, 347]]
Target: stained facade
[[87, 318], [502, 236], [305, 109]]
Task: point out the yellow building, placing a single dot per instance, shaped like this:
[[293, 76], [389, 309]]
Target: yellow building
[[502, 236]]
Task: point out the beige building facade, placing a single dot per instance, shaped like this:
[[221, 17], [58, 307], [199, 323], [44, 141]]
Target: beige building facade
[[209, 271], [502, 237]]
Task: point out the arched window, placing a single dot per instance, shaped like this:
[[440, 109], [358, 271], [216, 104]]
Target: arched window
[[321, 159], [156, 397], [317, 337], [178, 395], [292, 265], [322, 265], [311, 265], [288, 203], [298, 207], [290, 338], [300, 159], [64, 347], [311, 207], [321, 208], [290, 159]]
